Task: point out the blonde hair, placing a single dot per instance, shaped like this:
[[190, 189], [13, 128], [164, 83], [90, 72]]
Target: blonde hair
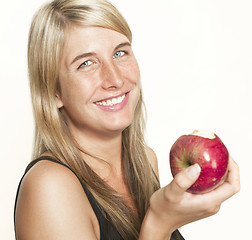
[[46, 39]]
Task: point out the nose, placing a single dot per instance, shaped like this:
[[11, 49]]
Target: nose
[[111, 76]]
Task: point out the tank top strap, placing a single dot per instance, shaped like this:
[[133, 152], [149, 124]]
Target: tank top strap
[[103, 222]]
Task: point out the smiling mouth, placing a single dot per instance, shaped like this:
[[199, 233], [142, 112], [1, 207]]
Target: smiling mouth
[[111, 101]]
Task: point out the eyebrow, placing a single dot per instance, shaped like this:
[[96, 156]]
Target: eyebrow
[[122, 45], [82, 56], [92, 53]]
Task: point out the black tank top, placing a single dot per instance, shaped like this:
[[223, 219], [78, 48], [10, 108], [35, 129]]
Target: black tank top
[[107, 230]]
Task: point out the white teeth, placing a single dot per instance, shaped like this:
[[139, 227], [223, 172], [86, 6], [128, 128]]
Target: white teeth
[[112, 101]]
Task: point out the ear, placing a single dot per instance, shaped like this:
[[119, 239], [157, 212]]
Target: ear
[[59, 102]]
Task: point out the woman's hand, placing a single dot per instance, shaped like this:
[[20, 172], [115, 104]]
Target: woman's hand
[[172, 207]]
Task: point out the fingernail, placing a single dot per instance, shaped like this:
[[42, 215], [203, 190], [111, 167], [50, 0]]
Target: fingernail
[[194, 170]]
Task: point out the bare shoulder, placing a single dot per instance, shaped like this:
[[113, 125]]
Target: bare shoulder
[[47, 176], [153, 160], [53, 205]]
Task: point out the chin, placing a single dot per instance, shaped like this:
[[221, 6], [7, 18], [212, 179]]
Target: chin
[[120, 127], [118, 124]]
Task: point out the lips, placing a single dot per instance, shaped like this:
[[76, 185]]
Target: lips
[[111, 101], [114, 103]]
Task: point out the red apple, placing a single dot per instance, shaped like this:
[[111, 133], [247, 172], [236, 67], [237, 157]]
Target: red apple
[[206, 149]]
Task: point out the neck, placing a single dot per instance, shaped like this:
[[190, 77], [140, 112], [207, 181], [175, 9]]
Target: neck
[[107, 149], [101, 152]]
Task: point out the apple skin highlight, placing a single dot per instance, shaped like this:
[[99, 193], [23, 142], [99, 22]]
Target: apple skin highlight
[[211, 155]]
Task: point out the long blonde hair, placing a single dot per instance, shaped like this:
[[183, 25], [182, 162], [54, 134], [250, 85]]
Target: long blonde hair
[[46, 39]]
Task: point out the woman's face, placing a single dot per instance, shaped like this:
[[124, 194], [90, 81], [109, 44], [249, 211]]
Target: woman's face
[[99, 81]]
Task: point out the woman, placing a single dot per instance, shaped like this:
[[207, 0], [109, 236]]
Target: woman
[[94, 177]]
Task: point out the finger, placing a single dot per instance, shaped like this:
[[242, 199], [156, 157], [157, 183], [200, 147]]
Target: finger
[[232, 184], [233, 175], [184, 179]]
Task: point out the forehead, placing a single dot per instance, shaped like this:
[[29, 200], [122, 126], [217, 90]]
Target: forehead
[[79, 39]]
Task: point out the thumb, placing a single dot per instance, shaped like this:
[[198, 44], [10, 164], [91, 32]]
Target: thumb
[[184, 179]]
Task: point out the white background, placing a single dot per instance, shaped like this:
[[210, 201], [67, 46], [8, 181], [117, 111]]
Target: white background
[[195, 59]]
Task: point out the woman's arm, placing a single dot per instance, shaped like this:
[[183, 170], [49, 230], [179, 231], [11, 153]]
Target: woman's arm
[[52, 205], [172, 207]]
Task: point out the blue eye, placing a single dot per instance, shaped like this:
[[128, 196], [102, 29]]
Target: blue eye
[[85, 64], [119, 54]]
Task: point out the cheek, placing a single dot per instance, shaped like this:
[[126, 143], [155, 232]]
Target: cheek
[[77, 90], [132, 73], [70, 92], [137, 74], [133, 76]]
